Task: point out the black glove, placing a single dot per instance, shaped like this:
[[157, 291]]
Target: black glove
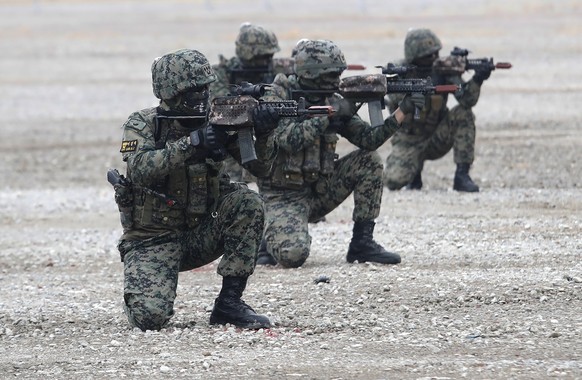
[[481, 75], [265, 119], [411, 102], [344, 110], [211, 139]]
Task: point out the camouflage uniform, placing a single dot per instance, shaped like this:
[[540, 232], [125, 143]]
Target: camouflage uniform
[[438, 129], [307, 180], [184, 213], [252, 41]]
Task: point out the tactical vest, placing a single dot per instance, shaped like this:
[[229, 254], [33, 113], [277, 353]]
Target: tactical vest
[[303, 168], [180, 199], [433, 112]]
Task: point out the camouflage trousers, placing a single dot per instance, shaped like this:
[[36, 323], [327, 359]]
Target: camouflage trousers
[[236, 172], [409, 151], [151, 266], [290, 211]]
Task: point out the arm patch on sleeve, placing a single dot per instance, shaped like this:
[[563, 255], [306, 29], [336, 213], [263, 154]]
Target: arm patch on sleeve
[[128, 146]]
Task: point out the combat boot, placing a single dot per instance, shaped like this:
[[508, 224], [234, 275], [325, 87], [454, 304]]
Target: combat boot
[[463, 181], [230, 308], [416, 183], [264, 257], [363, 248]]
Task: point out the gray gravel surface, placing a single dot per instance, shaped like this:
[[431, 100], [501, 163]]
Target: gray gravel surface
[[490, 283]]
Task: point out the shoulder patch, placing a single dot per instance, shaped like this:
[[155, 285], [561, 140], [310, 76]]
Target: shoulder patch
[[128, 146], [137, 124]]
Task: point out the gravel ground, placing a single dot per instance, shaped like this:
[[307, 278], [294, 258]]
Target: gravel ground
[[490, 283]]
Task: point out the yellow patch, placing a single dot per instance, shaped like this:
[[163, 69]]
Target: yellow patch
[[128, 146]]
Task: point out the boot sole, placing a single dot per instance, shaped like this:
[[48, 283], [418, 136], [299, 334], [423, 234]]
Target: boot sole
[[251, 325], [352, 260]]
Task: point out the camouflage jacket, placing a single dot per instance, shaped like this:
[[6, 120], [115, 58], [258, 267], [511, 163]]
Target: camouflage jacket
[[162, 166], [435, 108], [231, 71], [295, 137]]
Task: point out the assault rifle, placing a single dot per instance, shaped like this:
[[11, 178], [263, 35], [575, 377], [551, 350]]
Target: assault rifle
[[235, 113], [478, 63], [371, 89]]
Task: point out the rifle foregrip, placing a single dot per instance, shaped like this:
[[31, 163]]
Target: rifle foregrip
[[246, 145]]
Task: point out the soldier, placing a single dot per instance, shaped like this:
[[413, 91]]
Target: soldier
[[254, 63], [438, 129], [183, 213], [307, 180]]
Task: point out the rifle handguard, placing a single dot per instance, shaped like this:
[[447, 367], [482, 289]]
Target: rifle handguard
[[363, 87], [232, 111]]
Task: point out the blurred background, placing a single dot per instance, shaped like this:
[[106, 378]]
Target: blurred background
[[72, 71]]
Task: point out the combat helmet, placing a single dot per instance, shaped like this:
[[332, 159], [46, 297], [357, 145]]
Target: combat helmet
[[420, 43], [180, 71], [316, 57], [297, 46], [254, 40]]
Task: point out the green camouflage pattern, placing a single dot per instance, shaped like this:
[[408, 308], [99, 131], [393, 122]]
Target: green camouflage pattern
[[151, 266], [219, 88], [419, 43], [253, 41], [231, 226], [449, 65], [289, 211], [298, 46], [437, 131], [358, 173], [179, 71], [316, 57]]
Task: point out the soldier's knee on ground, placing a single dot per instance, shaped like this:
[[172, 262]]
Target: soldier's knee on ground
[[292, 256], [395, 183], [144, 314]]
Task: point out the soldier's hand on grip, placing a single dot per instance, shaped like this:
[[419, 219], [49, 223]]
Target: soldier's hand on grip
[[211, 139], [265, 119], [344, 109], [411, 102], [481, 75]]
